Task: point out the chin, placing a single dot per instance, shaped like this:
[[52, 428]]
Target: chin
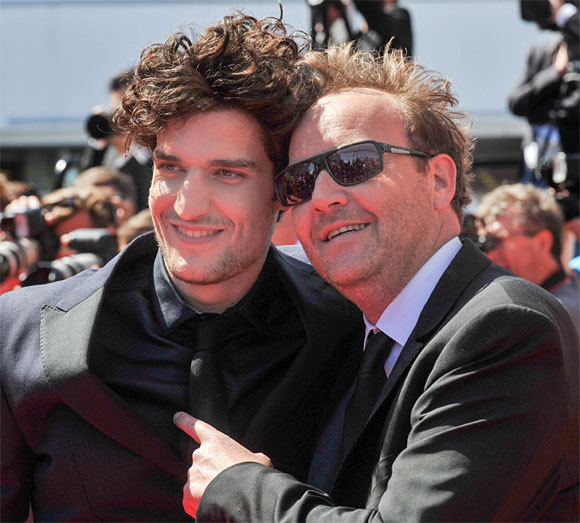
[[345, 276]]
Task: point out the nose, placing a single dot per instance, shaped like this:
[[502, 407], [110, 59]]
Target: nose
[[194, 197], [327, 193]]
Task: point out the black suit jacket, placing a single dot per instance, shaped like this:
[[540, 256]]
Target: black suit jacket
[[72, 448], [478, 420]]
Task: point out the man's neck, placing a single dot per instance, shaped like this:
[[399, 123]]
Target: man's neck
[[218, 297], [376, 294]]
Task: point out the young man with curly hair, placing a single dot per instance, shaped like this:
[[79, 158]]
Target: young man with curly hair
[[465, 407], [205, 316]]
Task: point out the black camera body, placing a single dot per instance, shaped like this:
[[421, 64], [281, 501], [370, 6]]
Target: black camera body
[[30, 223], [538, 11], [95, 247], [98, 126]]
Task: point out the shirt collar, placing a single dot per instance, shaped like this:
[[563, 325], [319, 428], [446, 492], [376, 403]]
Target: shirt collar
[[170, 307], [172, 310], [400, 317]]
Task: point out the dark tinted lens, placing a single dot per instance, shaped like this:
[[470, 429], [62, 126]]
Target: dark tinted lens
[[297, 183], [355, 164]]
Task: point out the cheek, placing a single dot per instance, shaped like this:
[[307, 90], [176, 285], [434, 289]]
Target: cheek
[[497, 257], [300, 220], [160, 194]]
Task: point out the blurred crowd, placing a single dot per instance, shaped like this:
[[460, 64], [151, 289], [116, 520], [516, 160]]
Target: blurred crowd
[[49, 238]]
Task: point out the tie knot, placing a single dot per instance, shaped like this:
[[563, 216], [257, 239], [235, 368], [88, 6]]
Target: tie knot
[[376, 351], [208, 332]]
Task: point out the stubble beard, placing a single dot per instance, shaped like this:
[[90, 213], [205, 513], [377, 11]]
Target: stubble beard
[[224, 267]]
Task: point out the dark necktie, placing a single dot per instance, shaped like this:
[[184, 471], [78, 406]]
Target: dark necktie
[[206, 334], [207, 394], [369, 383]]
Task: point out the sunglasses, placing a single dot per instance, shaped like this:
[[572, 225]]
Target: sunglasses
[[347, 165]]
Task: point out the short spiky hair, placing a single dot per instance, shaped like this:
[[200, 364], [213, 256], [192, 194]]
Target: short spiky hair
[[241, 63], [427, 103]]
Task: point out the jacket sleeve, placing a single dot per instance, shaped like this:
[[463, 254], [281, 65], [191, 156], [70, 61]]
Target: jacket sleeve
[[16, 467], [486, 433], [537, 90]]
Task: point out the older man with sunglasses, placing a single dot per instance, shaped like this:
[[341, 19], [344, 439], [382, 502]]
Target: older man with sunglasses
[[465, 407]]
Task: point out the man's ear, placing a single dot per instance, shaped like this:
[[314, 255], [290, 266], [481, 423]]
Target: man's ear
[[444, 176], [544, 240]]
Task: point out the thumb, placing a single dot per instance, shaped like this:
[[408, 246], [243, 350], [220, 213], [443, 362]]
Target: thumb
[[197, 429]]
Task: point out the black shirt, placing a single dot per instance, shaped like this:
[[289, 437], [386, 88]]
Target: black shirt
[[146, 341]]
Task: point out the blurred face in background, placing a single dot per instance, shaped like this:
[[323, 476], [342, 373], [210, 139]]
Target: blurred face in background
[[523, 253]]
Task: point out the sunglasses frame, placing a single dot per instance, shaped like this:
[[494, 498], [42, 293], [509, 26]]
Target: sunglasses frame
[[320, 161]]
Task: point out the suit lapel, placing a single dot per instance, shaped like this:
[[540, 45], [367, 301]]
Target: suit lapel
[[467, 264], [65, 345]]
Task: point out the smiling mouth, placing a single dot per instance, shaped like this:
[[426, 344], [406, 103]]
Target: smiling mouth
[[197, 234], [344, 229]]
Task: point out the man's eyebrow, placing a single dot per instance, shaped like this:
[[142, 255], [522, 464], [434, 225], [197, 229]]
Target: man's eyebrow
[[242, 163], [159, 154], [235, 163]]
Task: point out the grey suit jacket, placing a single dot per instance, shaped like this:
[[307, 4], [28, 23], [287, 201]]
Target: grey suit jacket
[[73, 449], [478, 420]]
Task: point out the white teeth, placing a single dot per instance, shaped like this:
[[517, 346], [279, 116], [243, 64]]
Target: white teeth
[[197, 234], [345, 228]]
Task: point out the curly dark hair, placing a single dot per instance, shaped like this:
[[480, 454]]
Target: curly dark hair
[[240, 63]]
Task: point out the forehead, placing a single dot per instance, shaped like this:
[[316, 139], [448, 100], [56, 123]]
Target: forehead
[[345, 117], [223, 133]]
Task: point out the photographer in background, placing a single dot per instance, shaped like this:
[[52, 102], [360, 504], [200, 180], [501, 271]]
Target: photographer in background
[[123, 186], [548, 95], [523, 228], [70, 208], [70, 230], [106, 147]]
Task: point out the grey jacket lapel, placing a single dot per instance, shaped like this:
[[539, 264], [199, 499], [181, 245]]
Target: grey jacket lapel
[[65, 344]]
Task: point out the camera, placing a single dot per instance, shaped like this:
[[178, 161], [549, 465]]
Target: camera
[[98, 126], [95, 247], [28, 260], [538, 11], [30, 224], [17, 257]]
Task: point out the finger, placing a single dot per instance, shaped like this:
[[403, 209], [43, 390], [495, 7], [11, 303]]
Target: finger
[[197, 429], [186, 423]]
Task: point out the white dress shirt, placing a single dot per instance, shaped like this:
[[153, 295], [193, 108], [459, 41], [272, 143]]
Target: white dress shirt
[[400, 317]]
